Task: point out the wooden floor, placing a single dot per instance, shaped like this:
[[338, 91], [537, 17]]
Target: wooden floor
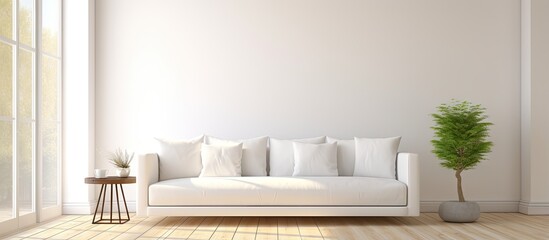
[[427, 226]]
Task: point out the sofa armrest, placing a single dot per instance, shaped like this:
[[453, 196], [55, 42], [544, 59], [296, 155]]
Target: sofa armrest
[[147, 174], [408, 172]]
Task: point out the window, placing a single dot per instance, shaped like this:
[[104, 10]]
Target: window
[[30, 112]]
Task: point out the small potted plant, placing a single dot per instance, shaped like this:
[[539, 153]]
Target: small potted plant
[[121, 159], [461, 143]]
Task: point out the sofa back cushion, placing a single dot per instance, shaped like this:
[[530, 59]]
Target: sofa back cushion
[[315, 159], [281, 154], [179, 158], [345, 155], [376, 157], [221, 160], [254, 154]]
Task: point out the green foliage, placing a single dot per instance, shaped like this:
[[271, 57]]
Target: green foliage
[[121, 159], [461, 134]]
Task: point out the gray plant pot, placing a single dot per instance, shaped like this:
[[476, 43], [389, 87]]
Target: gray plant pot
[[459, 212]]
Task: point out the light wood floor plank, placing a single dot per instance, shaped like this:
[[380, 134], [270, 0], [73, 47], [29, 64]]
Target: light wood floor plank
[[540, 221], [122, 228], [426, 226], [338, 228], [106, 235], [101, 227], [31, 232], [308, 229], [145, 225], [43, 227], [227, 228], [389, 228], [67, 234], [186, 228], [512, 227], [86, 235], [364, 230], [444, 229], [82, 226], [206, 228], [472, 230], [128, 236], [162, 227], [287, 229], [68, 225], [421, 229], [53, 223], [536, 226], [267, 228], [83, 218], [246, 229], [47, 234]]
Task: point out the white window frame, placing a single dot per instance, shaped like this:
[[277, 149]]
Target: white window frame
[[39, 213]]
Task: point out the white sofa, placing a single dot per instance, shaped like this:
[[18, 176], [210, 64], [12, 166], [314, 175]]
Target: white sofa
[[278, 195]]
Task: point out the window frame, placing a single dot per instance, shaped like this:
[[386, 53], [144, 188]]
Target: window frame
[[39, 212]]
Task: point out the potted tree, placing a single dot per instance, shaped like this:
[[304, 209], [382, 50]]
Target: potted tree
[[121, 159], [460, 142]]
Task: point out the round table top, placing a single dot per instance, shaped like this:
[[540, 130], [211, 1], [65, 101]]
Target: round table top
[[109, 180]]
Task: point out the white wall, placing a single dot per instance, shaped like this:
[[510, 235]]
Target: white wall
[[535, 114], [245, 68], [78, 105]]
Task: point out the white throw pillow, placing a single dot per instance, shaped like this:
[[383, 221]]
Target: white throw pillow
[[221, 160], [345, 156], [179, 158], [254, 154], [376, 157], [315, 159], [281, 154]]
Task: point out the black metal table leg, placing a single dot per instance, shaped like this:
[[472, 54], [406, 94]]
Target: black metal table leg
[[118, 203], [126, 205], [102, 194], [103, 205], [111, 205], [97, 205]]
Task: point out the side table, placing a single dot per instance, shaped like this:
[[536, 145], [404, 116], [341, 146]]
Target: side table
[[116, 181]]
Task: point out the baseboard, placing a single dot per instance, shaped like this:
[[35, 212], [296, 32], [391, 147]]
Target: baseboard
[[88, 208], [534, 208], [485, 206], [78, 208]]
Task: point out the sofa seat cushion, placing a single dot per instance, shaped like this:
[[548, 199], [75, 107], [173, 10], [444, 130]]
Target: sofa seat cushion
[[273, 191]]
